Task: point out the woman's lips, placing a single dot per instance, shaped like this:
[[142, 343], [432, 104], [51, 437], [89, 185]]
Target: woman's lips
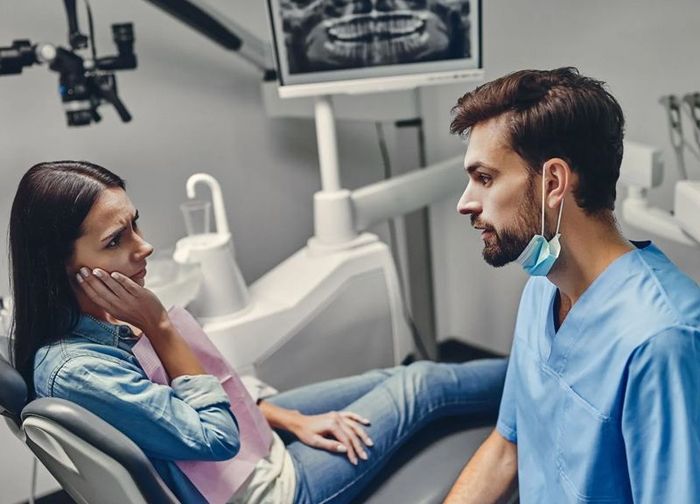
[[140, 274]]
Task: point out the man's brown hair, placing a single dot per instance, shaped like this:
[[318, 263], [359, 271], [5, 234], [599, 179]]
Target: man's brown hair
[[555, 113]]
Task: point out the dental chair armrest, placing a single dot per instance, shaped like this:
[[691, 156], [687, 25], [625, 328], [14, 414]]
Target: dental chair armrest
[[112, 442]]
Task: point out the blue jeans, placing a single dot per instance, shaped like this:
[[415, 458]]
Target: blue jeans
[[398, 401]]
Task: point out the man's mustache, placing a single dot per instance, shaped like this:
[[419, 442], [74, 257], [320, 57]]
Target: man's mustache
[[476, 223]]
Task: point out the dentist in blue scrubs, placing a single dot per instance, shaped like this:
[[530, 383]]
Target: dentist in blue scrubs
[[602, 394]]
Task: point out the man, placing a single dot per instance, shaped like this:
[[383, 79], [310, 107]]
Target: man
[[602, 394]]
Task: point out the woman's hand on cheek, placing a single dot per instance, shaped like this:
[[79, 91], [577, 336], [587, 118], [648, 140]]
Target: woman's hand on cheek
[[123, 298]]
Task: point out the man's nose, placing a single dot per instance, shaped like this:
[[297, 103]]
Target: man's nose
[[468, 204]]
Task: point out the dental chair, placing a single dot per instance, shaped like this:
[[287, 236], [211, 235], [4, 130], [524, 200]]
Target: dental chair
[[96, 463], [93, 461]]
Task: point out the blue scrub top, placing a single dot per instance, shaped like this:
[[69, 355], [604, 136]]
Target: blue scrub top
[[607, 408]]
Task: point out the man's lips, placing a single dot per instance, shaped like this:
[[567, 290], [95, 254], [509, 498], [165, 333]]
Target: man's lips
[[485, 231]]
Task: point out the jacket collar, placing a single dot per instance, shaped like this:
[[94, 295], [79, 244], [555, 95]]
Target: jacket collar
[[102, 332]]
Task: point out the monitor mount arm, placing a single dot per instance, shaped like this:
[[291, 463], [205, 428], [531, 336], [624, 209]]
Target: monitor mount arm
[[221, 30]]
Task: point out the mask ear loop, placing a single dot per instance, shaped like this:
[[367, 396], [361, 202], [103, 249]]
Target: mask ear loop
[[561, 208], [543, 177]]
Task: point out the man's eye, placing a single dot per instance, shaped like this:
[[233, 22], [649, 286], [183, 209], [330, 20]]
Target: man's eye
[[484, 179]]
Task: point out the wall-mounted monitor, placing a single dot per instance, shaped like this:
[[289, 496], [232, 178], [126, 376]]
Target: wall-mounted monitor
[[327, 47]]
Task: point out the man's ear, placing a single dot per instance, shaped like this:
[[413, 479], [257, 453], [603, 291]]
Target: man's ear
[[559, 181]]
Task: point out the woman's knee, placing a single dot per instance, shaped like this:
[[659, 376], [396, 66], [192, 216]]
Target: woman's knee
[[479, 377], [423, 376]]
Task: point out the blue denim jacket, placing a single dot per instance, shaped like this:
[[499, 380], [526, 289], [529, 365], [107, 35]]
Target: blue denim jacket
[[94, 367]]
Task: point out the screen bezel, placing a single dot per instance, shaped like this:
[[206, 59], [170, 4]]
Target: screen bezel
[[378, 83]]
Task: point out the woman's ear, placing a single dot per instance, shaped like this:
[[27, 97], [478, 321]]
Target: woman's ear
[[71, 269], [559, 180]]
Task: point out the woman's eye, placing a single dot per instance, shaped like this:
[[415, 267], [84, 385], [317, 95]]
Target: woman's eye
[[114, 242]]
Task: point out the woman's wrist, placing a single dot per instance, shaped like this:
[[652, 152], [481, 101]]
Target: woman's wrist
[[281, 418], [160, 327], [293, 420]]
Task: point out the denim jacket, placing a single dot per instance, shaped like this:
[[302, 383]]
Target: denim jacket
[[93, 366]]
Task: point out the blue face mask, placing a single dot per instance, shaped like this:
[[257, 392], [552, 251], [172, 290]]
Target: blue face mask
[[540, 255]]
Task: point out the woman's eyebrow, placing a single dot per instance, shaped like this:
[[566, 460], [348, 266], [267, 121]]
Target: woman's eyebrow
[[113, 234], [117, 231]]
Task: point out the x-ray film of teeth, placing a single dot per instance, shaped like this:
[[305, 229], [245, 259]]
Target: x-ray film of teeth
[[322, 35]]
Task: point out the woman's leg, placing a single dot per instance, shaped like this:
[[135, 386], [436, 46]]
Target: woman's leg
[[331, 395], [397, 408]]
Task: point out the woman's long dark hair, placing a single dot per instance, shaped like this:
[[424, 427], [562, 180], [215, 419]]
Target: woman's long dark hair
[[47, 217]]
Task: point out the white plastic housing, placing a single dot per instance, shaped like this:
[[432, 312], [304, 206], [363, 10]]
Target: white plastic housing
[[687, 207], [641, 166], [223, 290], [332, 314]]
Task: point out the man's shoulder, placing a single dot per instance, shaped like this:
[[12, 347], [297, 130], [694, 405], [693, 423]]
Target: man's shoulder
[[663, 284], [677, 342]]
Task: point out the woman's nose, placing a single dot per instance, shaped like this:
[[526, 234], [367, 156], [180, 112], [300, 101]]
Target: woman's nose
[[145, 249]]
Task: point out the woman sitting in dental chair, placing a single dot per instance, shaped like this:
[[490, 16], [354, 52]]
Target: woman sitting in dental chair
[[78, 264]]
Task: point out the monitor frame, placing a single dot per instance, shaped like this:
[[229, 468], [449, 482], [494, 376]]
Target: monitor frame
[[381, 83]]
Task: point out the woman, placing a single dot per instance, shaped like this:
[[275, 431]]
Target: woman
[[78, 267]]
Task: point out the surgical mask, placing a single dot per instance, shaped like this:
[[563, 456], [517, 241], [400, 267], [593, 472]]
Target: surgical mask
[[540, 255]]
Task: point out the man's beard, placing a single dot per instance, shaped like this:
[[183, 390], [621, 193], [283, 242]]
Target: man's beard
[[506, 245]]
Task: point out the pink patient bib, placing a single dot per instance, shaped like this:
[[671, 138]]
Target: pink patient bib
[[216, 481]]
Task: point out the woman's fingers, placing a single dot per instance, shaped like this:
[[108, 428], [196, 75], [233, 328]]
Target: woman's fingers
[[339, 432], [330, 445], [354, 439], [116, 287], [126, 283], [356, 417], [357, 428], [96, 290]]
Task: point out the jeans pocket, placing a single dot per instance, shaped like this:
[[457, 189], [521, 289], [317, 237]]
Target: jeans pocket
[[590, 454]]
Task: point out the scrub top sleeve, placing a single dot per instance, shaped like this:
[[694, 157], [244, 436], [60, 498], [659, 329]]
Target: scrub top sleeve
[[660, 417], [506, 424]]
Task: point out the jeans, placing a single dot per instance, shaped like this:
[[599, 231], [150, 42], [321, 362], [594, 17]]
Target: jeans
[[398, 401]]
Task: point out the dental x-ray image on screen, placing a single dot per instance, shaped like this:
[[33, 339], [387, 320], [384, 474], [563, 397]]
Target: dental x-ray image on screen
[[325, 40]]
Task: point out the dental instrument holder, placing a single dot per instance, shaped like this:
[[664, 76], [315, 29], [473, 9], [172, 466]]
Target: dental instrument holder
[[675, 126], [223, 290], [693, 102]]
